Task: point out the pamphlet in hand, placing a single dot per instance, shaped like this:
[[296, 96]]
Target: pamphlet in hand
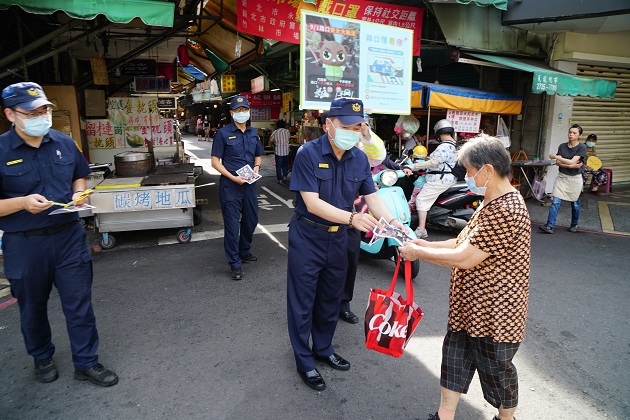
[[385, 230], [72, 205], [71, 209], [248, 174]]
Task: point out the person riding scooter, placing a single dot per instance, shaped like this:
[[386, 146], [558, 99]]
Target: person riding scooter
[[418, 155], [439, 176]]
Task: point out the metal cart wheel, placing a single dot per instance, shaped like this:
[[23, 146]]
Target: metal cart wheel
[[107, 241], [184, 235]]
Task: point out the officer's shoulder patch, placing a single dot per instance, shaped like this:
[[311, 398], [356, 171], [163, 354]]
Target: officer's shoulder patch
[[13, 162], [231, 137], [322, 165]]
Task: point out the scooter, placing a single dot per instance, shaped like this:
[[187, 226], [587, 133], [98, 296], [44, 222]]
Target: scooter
[[452, 209], [394, 197]]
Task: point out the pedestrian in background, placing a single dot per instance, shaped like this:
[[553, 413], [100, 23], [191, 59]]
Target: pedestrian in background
[[39, 165], [600, 177], [568, 185], [280, 141], [237, 145], [199, 127], [489, 288], [328, 173], [206, 128]]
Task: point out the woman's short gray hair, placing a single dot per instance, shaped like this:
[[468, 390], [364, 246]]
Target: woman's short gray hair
[[483, 150]]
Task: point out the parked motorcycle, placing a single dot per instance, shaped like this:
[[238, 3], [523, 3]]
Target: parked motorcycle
[[452, 209], [394, 197]]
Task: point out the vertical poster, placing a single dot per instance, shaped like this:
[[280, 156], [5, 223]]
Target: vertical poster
[[355, 59]]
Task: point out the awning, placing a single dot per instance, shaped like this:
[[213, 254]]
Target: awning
[[152, 12], [552, 81], [499, 4], [424, 95], [193, 71]]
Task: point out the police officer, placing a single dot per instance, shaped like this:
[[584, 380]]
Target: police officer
[[39, 165], [328, 173], [235, 146]]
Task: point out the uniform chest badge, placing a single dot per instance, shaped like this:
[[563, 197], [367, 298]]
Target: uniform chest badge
[[13, 162], [323, 165], [231, 137]]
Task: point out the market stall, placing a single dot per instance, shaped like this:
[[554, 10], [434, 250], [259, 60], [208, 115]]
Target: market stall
[[153, 186]]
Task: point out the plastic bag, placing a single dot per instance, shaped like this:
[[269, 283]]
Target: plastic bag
[[406, 126], [503, 133]]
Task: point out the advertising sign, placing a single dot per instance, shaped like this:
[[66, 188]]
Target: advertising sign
[[280, 20], [355, 59], [464, 121], [166, 103]]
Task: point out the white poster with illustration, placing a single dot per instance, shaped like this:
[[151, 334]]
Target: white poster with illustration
[[355, 59]]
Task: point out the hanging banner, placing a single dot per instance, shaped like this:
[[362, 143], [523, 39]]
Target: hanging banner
[[287, 100], [140, 111], [355, 59], [99, 71], [100, 134], [281, 20]]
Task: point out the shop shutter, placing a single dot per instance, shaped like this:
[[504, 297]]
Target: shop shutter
[[608, 118]]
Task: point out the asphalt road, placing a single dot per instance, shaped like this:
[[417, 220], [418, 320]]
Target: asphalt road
[[187, 342]]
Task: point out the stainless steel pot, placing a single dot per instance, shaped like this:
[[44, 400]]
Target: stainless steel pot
[[129, 164]]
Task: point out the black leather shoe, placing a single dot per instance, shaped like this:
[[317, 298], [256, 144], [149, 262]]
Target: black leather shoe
[[313, 379], [249, 258], [349, 317], [237, 274], [45, 370], [98, 375], [334, 361]]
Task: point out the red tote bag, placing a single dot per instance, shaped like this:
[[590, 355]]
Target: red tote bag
[[390, 319]]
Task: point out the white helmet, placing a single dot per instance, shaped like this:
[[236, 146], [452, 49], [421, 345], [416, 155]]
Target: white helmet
[[443, 127]]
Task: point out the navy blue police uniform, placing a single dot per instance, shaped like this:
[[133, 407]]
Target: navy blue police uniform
[[317, 257], [236, 149], [42, 250]]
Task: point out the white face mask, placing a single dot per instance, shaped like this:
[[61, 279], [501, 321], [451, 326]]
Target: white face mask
[[241, 117], [36, 126], [472, 185]]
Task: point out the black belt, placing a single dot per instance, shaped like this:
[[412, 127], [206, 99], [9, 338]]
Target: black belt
[[327, 228], [46, 231]]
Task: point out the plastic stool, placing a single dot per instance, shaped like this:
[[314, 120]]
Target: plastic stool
[[607, 186]]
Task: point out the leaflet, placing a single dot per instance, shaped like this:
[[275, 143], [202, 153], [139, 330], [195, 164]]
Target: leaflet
[[72, 209], [248, 174], [385, 230]]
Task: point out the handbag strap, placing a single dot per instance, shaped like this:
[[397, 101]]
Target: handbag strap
[[408, 282], [392, 286]]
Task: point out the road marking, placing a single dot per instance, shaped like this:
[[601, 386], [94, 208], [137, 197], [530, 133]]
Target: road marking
[[606, 219], [216, 234], [288, 203]]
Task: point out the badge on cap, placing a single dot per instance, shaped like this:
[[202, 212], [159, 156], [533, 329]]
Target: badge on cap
[[356, 107], [33, 92]]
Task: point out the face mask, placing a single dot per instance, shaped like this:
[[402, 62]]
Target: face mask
[[241, 117], [470, 183], [345, 139], [590, 144], [37, 126]]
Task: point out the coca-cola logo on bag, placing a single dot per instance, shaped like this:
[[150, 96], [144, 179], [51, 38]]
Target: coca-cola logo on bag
[[380, 322]]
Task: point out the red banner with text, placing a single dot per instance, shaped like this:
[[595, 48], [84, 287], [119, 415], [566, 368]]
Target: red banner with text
[[279, 19]]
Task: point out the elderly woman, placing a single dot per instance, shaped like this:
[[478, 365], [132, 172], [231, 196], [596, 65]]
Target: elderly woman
[[489, 287]]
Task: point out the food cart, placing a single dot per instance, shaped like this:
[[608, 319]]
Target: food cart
[[165, 199]]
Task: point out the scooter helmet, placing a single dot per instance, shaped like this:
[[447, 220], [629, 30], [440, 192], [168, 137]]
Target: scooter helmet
[[443, 127], [420, 152]]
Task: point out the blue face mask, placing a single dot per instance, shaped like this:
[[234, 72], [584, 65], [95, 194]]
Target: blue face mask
[[241, 117], [472, 186], [590, 144], [37, 126], [345, 139]]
